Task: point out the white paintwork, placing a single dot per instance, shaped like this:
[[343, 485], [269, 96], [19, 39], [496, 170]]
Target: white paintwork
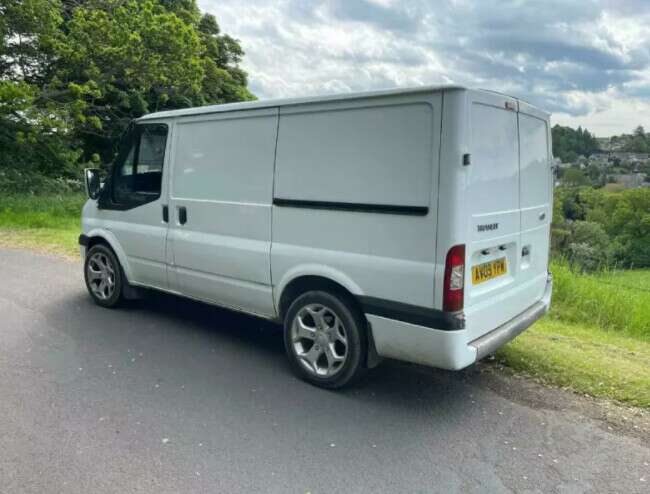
[[444, 349], [287, 102], [137, 236], [222, 173], [420, 345], [364, 246], [317, 147], [226, 163]]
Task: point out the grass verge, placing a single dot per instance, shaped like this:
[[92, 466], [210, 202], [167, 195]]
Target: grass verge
[[49, 223], [596, 338], [617, 300], [583, 358]]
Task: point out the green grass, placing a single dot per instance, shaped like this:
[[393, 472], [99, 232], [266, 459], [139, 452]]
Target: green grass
[[583, 358], [49, 223], [615, 301], [595, 340], [638, 279]]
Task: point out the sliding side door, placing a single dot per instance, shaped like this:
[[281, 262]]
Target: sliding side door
[[220, 208]]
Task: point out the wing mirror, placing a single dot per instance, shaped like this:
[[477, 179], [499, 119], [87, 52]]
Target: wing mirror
[[93, 182]]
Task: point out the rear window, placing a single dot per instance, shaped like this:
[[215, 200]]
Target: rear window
[[495, 159], [368, 155], [535, 177]]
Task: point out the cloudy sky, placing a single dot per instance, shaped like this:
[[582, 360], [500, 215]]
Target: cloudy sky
[[586, 61]]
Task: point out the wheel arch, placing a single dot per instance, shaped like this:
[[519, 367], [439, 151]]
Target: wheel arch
[[340, 285], [311, 275], [101, 236], [306, 283]]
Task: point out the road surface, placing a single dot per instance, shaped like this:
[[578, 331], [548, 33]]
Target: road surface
[[171, 396]]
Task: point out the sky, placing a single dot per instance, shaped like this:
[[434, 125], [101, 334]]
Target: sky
[[585, 61]]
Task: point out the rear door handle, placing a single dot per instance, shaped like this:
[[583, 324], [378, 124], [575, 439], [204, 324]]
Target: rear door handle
[[165, 212], [182, 215]]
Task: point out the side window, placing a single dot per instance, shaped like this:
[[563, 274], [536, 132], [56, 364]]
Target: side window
[[137, 175]]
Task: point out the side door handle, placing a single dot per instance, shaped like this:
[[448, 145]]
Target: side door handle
[[182, 215], [165, 212]]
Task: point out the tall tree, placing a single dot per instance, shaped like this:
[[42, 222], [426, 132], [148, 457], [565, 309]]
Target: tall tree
[[73, 73], [568, 143], [34, 133], [639, 131], [120, 59]]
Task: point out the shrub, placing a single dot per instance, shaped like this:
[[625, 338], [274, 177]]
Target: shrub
[[589, 246], [596, 229], [14, 181]]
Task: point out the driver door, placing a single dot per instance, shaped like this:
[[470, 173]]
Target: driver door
[[132, 207]]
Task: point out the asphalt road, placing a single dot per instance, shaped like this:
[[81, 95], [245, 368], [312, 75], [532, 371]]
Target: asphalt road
[[173, 396]]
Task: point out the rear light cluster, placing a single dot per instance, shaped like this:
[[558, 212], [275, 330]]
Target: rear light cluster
[[454, 289]]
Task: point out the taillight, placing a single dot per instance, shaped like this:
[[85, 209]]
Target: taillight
[[453, 294]]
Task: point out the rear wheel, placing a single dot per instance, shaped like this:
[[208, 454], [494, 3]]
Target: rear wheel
[[325, 339], [103, 276]]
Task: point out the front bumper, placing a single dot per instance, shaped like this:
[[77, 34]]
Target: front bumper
[[449, 349]]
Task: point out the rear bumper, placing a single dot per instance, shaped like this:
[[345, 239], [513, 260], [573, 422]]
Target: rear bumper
[[451, 350]]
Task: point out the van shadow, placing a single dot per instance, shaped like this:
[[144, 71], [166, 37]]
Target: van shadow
[[175, 325]]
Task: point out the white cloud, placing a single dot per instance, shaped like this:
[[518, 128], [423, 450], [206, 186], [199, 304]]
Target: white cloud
[[587, 62]]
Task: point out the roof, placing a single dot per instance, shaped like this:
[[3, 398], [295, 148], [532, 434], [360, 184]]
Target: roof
[[271, 103], [275, 103]]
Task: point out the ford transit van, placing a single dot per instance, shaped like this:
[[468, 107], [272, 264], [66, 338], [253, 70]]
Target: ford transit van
[[410, 224]]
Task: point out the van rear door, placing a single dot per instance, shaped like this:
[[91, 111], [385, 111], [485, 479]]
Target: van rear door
[[535, 195], [509, 201]]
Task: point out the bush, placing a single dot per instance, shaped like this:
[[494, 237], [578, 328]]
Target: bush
[[14, 181], [597, 229], [589, 246]]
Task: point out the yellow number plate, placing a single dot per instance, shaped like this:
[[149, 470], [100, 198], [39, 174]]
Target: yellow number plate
[[488, 270]]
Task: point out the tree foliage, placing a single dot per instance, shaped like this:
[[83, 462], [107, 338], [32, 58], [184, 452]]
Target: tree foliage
[[638, 142], [569, 143], [595, 228], [73, 73], [33, 131]]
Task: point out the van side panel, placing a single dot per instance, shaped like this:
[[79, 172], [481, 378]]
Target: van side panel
[[453, 200], [223, 176], [335, 161], [370, 154]]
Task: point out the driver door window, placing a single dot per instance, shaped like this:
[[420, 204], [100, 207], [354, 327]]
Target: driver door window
[[137, 177]]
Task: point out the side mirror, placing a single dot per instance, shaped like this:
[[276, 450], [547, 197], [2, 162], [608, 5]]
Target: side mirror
[[93, 183]]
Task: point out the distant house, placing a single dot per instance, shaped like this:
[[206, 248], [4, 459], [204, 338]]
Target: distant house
[[600, 159], [626, 157]]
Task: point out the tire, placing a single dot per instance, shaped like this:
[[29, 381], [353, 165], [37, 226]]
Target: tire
[[325, 339], [104, 277]]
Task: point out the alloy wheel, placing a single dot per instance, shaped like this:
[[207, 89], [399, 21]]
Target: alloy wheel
[[101, 276], [319, 340]]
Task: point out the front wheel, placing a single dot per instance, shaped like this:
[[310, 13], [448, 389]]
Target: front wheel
[[103, 276], [325, 339]]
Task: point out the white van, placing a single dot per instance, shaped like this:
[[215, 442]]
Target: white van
[[410, 224]]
